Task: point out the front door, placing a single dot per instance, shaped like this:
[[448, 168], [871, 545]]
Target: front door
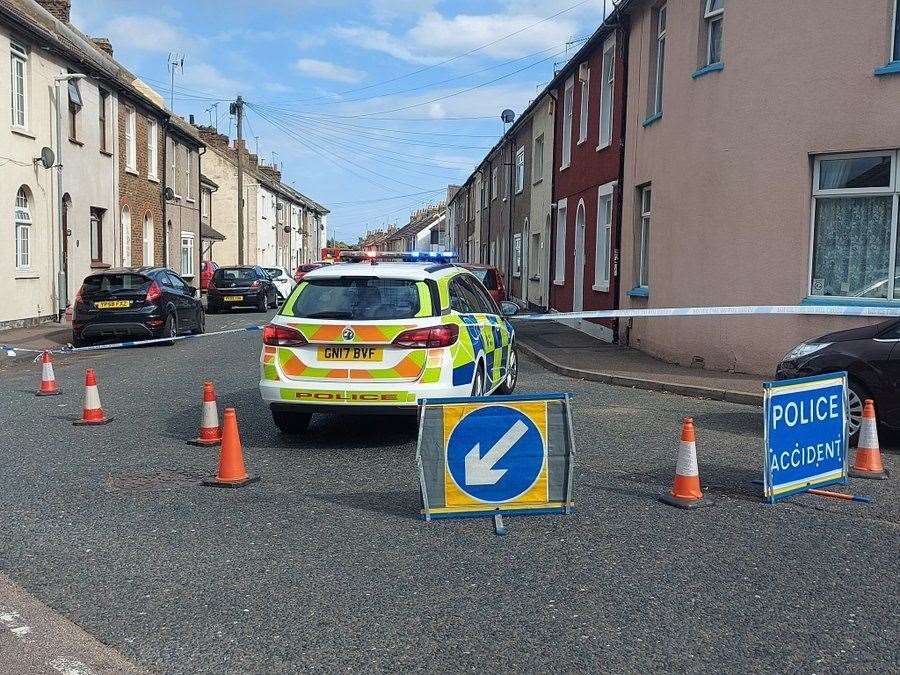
[[578, 290]]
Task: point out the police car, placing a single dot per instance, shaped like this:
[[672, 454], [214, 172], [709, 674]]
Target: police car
[[381, 334]]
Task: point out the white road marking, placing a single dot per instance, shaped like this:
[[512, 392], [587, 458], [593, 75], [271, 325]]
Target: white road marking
[[69, 667]]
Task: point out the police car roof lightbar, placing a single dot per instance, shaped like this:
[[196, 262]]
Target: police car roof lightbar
[[398, 256]]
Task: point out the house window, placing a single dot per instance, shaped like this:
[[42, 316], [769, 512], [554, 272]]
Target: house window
[[568, 103], [22, 219], [537, 162], [19, 88], [559, 272], [855, 214], [896, 50], [97, 234], [103, 115], [517, 255], [187, 254], [643, 267], [606, 93], [75, 106], [482, 187], [130, 135], [494, 182], [126, 237], [603, 248], [584, 74], [152, 149], [714, 15], [520, 169], [435, 236], [148, 254], [534, 257], [658, 61], [189, 173]]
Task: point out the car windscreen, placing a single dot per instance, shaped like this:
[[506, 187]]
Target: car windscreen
[[235, 274], [125, 283], [486, 277], [358, 299]]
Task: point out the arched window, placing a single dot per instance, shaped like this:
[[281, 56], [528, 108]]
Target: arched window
[[126, 237], [22, 219], [148, 240]]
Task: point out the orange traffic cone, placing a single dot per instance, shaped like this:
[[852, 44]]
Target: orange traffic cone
[[686, 492], [210, 431], [232, 472], [93, 411], [48, 379], [867, 461]]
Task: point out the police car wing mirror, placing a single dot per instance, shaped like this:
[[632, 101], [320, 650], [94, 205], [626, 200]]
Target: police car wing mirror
[[508, 308]]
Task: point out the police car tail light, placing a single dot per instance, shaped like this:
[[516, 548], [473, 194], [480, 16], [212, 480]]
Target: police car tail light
[[282, 336], [432, 337]]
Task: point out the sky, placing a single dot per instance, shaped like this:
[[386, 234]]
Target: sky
[[372, 106]]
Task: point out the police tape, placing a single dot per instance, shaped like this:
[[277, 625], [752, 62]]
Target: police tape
[[12, 351], [809, 310]]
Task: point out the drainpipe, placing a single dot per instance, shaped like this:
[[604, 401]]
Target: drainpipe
[[200, 152], [164, 201], [548, 282], [512, 196], [615, 282], [489, 198]]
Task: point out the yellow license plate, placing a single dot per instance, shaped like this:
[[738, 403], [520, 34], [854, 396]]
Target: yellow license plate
[[233, 298], [350, 354], [112, 304]]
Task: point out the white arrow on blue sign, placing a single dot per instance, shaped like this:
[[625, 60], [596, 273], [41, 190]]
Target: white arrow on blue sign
[[495, 454]]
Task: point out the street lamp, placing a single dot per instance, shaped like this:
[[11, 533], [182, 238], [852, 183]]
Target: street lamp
[[62, 277]]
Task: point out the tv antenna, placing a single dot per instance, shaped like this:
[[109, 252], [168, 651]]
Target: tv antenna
[[176, 61]]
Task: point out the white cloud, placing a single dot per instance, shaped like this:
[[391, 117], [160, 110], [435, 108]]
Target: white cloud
[[385, 11], [149, 34], [325, 70]]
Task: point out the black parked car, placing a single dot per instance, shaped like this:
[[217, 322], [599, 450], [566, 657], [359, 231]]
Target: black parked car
[[135, 304], [243, 286], [871, 357]]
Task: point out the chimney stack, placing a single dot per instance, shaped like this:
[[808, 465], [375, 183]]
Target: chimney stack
[[104, 45], [61, 9]]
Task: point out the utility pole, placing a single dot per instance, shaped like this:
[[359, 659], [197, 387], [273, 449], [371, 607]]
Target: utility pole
[[237, 109]]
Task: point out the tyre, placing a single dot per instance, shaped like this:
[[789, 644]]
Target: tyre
[[856, 397], [201, 323], [170, 329], [512, 374], [80, 342], [291, 423], [262, 305], [478, 382]]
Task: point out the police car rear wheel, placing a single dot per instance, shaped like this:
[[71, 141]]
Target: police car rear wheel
[[478, 382], [856, 395], [512, 375], [291, 423]]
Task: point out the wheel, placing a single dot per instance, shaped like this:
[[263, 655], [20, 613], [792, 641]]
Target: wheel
[[170, 329], [856, 396], [79, 342], [512, 374], [291, 423], [262, 305], [201, 323], [275, 297], [478, 382]]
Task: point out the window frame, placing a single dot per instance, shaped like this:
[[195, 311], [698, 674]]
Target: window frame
[[18, 53], [537, 159], [891, 190], [148, 245], [659, 56], [190, 237], [130, 139], [22, 225], [152, 149], [520, 169], [584, 105], [567, 122], [895, 34], [607, 87], [96, 224], [605, 195], [125, 224], [711, 17], [494, 171], [559, 254], [103, 119], [645, 217], [74, 109]]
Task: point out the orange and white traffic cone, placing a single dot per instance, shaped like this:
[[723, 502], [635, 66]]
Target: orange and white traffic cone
[[93, 412], [867, 461], [232, 472], [686, 492], [48, 379], [210, 431]]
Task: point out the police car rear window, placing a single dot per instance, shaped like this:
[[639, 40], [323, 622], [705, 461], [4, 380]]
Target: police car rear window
[[357, 298], [486, 277]]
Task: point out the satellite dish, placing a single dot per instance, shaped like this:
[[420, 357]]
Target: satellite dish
[[507, 116], [47, 159], [169, 193]]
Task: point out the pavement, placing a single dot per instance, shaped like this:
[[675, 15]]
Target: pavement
[[571, 352], [324, 565]]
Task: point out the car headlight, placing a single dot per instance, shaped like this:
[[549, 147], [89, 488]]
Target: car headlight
[[804, 349]]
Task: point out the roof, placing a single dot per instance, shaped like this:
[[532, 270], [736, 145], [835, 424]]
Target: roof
[[417, 226], [207, 232], [386, 270]]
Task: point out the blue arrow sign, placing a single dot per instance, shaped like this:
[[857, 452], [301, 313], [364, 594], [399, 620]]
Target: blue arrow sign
[[495, 454]]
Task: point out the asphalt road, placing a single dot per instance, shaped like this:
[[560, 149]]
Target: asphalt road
[[324, 565]]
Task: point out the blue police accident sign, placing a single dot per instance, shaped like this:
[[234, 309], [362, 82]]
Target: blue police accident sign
[[495, 457], [806, 434], [480, 456]]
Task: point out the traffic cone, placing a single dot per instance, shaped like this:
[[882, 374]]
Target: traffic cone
[[48, 379], [686, 492], [93, 411], [232, 472], [210, 431], [867, 461]]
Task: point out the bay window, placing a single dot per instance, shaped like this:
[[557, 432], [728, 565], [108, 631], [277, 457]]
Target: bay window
[[854, 221]]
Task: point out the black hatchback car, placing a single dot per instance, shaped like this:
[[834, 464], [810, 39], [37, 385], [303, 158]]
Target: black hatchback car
[[242, 286], [135, 304], [871, 357]]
